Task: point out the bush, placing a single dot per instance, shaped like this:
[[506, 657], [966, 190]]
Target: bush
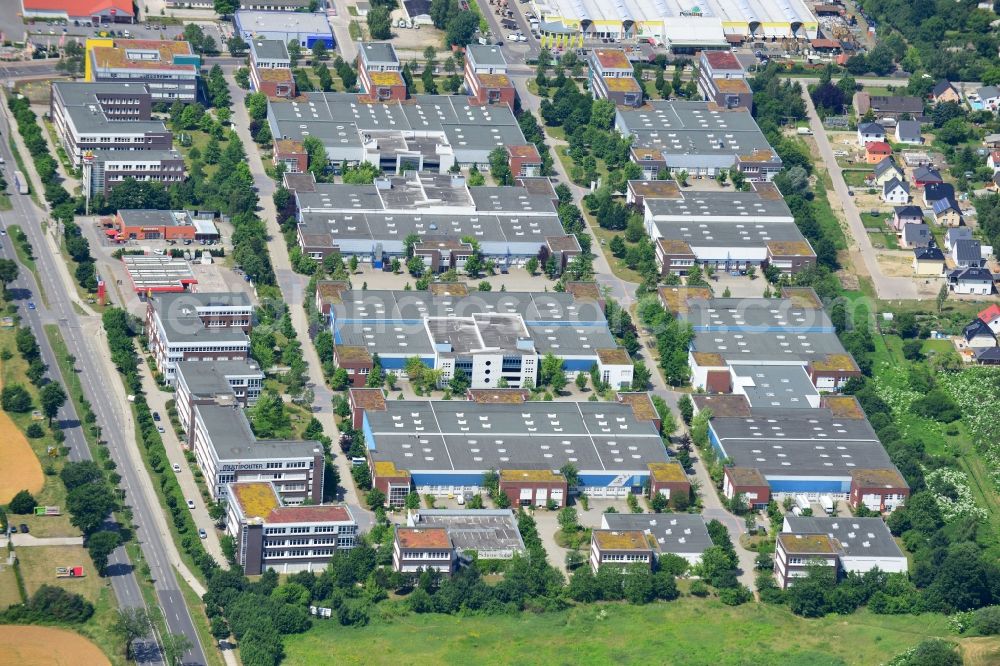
[[15, 398], [35, 431], [23, 503], [50, 604], [986, 621], [699, 588]]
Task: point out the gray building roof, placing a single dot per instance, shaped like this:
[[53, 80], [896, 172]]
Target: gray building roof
[[916, 234], [457, 436], [971, 274], [893, 184], [269, 49], [378, 53], [536, 307], [677, 533], [801, 442], [693, 129], [966, 249], [81, 104], [132, 156], [167, 304], [486, 55], [871, 128], [485, 531], [232, 439], [858, 537], [743, 347], [908, 130], [937, 191], [908, 211], [281, 25], [942, 205], [956, 234], [928, 254], [776, 386], [755, 315], [212, 378], [886, 164], [704, 233], [762, 202]]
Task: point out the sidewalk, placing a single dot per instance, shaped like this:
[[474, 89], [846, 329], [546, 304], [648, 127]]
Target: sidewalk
[[30, 541]]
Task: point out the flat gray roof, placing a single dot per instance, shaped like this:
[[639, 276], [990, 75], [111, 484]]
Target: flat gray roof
[[390, 338], [774, 347], [212, 378], [81, 103], [143, 217], [408, 192], [714, 233], [801, 442], [712, 204], [486, 55], [481, 530], [689, 128], [136, 156], [230, 435], [858, 537], [458, 436], [170, 303], [381, 53], [755, 315], [264, 23], [269, 49], [777, 386], [677, 533]]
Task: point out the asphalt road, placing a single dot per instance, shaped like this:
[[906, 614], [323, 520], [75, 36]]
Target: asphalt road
[[102, 386]]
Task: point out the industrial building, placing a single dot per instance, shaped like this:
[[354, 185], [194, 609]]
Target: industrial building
[[87, 12], [490, 336], [488, 534], [444, 447], [423, 133], [844, 544], [170, 68], [146, 224], [214, 383], [303, 27], [271, 68], [197, 327], [730, 231], [92, 117], [156, 274], [701, 138], [830, 450], [680, 26], [285, 539], [372, 222], [681, 534]]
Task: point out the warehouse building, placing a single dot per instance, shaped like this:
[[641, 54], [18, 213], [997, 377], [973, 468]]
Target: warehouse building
[[681, 26], [303, 27], [285, 539], [91, 117], [155, 274], [372, 222], [488, 534], [446, 446], [228, 452], [147, 224], [701, 138], [830, 450], [730, 231], [425, 132], [87, 12], [843, 544], [225, 383], [170, 68], [490, 336]]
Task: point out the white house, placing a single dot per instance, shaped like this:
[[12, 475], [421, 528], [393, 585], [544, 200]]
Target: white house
[[908, 131], [971, 281], [869, 132], [896, 192]]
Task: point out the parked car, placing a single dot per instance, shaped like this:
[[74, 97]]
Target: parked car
[[202, 533], [24, 528], [190, 504], [160, 429], [176, 467], [156, 416], [13, 528], [31, 305]]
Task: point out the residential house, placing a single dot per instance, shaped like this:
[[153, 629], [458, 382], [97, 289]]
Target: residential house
[[988, 356], [915, 235], [937, 191], [944, 91], [993, 161], [947, 213], [869, 132], [971, 281], [992, 141], [885, 171], [978, 335], [991, 316], [904, 215], [986, 98], [896, 192], [925, 175], [888, 106], [928, 261], [956, 234], [876, 151], [968, 253], [908, 131]]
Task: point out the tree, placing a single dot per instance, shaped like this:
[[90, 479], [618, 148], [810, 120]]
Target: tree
[[379, 24], [294, 52], [76, 474], [15, 398], [100, 545], [23, 503], [237, 45], [52, 397], [8, 273], [686, 408], [942, 296], [932, 652], [581, 380], [90, 506], [175, 646], [132, 624], [531, 265], [461, 27], [640, 376], [319, 51], [571, 474]]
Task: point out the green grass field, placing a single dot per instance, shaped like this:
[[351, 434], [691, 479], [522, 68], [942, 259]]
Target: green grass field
[[688, 631]]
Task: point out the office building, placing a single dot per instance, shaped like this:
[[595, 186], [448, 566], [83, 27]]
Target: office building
[[145, 224], [271, 68], [285, 539], [91, 117], [197, 327], [722, 80], [103, 170], [611, 77], [621, 548], [701, 138], [379, 71], [169, 68], [417, 549], [486, 79], [681, 534], [303, 27], [487, 534], [215, 383]]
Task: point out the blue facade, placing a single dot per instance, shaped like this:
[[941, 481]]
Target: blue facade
[[447, 479], [578, 364], [809, 486], [604, 480], [366, 428]]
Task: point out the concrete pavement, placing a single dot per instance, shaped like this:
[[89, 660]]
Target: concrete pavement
[[887, 288], [31, 541]]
